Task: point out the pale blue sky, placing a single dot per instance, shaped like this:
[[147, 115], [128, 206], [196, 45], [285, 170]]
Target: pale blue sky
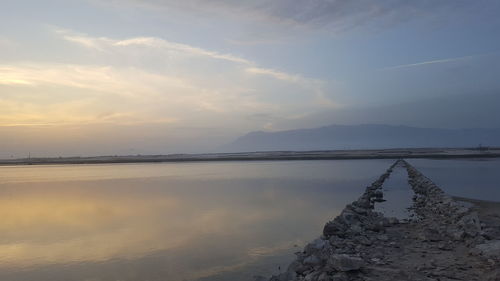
[[188, 76]]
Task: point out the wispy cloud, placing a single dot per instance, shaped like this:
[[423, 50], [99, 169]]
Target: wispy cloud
[[104, 43], [9, 79], [161, 43], [104, 79], [46, 94], [94, 43], [118, 85], [56, 94], [424, 63], [276, 74], [430, 62]]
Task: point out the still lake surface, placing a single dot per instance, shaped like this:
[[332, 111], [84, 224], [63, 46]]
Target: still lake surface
[[187, 221]]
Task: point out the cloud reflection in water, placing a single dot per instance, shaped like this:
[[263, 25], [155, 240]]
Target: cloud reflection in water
[[201, 221]]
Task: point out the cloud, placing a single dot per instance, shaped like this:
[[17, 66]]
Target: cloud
[[103, 43], [161, 43], [429, 62], [41, 94], [315, 87], [311, 86], [106, 79], [6, 80], [88, 42], [112, 45], [423, 63], [173, 93], [276, 74], [55, 94], [336, 14]]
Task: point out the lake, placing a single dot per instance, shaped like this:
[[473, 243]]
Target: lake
[[472, 178], [186, 221]]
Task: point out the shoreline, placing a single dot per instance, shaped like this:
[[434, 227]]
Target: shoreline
[[411, 153]]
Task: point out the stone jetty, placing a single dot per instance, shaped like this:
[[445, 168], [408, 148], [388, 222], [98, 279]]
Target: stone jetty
[[444, 240]]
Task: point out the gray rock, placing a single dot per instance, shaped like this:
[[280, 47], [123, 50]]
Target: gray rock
[[364, 203], [355, 229], [383, 237], [334, 227], [312, 260], [324, 277], [315, 246], [430, 234], [363, 240], [446, 246], [349, 217], [470, 224], [393, 220], [455, 233], [387, 272], [490, 248], [313, 276], [341, 276], [359, 210], [343, 262], [335, 240], [378, 194]]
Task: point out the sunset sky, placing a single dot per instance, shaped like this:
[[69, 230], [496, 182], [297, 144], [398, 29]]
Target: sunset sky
[[94, 77]]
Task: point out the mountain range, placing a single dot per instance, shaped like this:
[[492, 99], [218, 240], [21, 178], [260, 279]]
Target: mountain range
[[370, 136]]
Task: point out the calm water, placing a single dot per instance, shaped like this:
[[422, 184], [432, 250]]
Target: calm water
[[187, 221], [398, 195], [473, 178]]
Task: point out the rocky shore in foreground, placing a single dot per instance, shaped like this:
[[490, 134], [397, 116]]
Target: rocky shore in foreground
[[446, 239]]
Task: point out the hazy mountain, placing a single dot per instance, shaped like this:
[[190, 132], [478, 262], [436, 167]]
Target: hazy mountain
[[452, 112], [364, 137]]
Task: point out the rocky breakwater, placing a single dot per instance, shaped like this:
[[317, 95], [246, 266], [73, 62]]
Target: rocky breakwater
[[441, 217], [444, 241], [455, 227], [342, 251]]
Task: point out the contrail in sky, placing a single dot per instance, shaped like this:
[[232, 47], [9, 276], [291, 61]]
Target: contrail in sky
[[437, 61]]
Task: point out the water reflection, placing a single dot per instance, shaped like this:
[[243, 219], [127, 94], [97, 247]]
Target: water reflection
[[193, 221], [398, 195]]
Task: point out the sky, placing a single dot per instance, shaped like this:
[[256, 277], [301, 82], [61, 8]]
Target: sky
[[109, 77]]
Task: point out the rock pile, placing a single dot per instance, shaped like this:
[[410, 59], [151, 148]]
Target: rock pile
[[441, 216], [341, 251], [359, 216], [445, 241]]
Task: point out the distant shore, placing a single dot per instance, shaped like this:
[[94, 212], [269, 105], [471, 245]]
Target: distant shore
[[436, 153]]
